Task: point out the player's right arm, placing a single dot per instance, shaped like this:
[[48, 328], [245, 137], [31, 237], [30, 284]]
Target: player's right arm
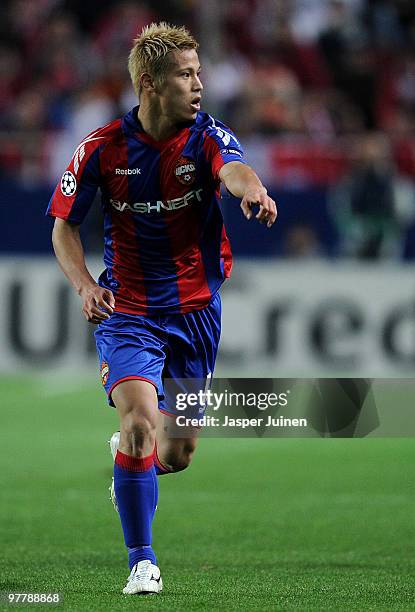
[[97, 302], [70, 204]]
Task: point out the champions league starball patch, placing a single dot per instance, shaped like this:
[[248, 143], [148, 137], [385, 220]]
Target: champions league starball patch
[[68, 184], [185, 171], [105, 370]]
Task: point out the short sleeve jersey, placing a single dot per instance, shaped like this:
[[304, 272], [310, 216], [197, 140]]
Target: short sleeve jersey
[[165, 246]]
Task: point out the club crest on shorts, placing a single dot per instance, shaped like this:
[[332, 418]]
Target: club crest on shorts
[[185, 171], [105, 370], [68, 183]]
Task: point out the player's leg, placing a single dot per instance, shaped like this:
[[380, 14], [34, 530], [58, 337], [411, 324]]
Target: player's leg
[[193, 343], [173, 450], [175, 445], [131, 353], [135, 480]]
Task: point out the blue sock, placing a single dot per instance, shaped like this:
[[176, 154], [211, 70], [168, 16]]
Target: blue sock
[[141, 553], [136, 490]]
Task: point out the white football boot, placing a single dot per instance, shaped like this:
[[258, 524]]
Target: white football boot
[[144, 578], [114, 444]]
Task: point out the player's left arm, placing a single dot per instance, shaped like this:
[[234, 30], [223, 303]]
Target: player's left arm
[[242, 182]]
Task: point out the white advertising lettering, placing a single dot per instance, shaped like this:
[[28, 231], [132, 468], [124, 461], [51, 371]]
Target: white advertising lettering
[[158, 205]]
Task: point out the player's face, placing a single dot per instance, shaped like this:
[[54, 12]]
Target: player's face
[[182, 89]]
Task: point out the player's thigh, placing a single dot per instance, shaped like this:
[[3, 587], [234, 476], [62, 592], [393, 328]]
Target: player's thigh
[[130, 348], [136, 399], [137, 406], [192, 349]]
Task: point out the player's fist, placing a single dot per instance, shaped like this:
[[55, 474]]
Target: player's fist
[[97, 303], [257, 196]]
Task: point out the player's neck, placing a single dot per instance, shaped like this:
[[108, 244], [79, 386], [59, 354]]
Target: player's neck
[[158, 126]]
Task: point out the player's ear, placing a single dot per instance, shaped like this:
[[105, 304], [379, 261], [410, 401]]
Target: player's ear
[[147, 82]]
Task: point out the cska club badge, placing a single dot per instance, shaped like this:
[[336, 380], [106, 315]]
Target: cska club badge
[[104, 372], [185, 171]]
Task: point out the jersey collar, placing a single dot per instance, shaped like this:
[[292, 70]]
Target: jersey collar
[[132, 125]]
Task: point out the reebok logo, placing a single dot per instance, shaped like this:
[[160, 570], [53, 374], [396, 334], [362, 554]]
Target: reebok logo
[[231, 152], [128, 171]]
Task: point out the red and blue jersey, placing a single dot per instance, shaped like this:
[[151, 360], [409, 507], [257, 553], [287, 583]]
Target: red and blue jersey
[[165, 244]]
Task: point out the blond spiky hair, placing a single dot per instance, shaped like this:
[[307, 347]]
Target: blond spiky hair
[[150, 52]]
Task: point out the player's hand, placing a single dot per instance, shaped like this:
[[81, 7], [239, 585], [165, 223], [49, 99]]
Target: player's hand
[[97, 303], [257, 196]]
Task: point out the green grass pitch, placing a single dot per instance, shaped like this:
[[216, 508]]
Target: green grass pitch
[[252, 525]]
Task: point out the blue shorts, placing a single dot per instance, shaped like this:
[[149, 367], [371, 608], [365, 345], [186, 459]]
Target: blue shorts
[[157, 348]]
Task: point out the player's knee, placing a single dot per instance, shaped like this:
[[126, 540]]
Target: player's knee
[[185, 457], [138, 429], [180, 455], [138, 424]]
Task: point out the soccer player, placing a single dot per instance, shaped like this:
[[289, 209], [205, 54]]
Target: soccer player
[[166, 254]]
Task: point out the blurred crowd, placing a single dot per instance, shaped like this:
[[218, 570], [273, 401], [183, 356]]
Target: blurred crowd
[[339, 74]]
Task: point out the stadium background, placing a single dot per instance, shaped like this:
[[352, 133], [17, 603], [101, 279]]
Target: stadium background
[[322, 96]]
